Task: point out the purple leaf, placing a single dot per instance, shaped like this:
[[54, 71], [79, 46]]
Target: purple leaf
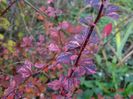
[[64, 57], [24, 72], [18, 79], [93, 39], [113, 15], [72, 83], [78, 39], [86, 61], [88, 65], [87, 20], [41, 38], [78, 72], [111, 11], [72, 45], [90, 69], [65, 84], [27, 41], [11, 88], [112, 8], [39, 65], [55, 85], [92, 2], [53, 47], [25, 69], [64, 25]]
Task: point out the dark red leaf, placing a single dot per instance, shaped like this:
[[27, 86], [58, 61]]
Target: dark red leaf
[[107, 30]]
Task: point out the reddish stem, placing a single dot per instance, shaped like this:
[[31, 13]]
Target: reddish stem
[[90, 32]]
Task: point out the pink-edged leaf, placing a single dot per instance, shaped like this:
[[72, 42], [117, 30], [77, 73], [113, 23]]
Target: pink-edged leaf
[[113, 15], [111, 11], [55, 85], [11, 88], [18, 79], [79, 71], [39, 65], [92, 2], [64, 25], [64, 58], [90, 69], [50, 1], [107, 30], [25, 69], [27, 41], [72, 45], [41, 38], [87, 20], [24, 72], [28, 64], [112, 8], [53, 47], [89, 66]]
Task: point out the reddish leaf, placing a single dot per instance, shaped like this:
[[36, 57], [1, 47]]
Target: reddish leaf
[[50, 1], [55, 85], [10, 96], [117, 96], [64, 25], [25, 70], [107, 30], [53, 47], [39, 65]]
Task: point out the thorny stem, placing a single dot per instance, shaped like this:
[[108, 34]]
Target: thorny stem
[[90, 32]]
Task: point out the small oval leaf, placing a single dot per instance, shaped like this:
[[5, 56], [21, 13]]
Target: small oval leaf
[[107, 30]]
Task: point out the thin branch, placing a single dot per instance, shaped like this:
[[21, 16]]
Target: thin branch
[[90, 32], [4, 12], [114, 51], [24, 21], [129, 49], [126, 57], [36, 9]]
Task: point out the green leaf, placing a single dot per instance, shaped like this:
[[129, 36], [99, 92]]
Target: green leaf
[[98, 59], [127, 34], [85, 95], [4, 23], [129, 89], [120, 42]]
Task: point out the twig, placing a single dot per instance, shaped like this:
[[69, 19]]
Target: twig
[[129, 49], [22, 15], [36, 9], [126, 57], [90, 32], [12, 3], [113, 50], [104, 55]]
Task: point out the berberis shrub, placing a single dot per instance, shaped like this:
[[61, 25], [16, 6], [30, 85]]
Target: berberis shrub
[[51, 64]]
